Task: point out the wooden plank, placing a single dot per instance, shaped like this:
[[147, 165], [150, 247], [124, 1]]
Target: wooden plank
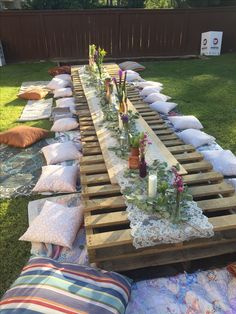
[[168, 137], [100, 190], [210, 190], [104, 220], [172, 143], [160, 126], [181, 149], [218, 204], [202, 178], [89, 138], [91, 151], [90, 160], [111, 202], [88, 133], [163, 132], [98, 168], [122, 237], [197, 166], [97, 178], [187, 157]]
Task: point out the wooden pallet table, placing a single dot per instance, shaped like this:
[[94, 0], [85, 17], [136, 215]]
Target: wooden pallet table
[[109, 239]]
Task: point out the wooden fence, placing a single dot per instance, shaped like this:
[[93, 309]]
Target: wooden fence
[[42, 35]]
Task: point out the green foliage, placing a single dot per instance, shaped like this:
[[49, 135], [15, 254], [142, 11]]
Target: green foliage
[[134, 140], [157, 4]]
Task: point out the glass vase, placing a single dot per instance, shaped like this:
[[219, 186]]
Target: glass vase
[[142, 167], [176, 214]]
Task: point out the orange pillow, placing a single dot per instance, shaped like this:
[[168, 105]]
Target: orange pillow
[[33, 94], [232, 269], [22, 136], [66, 69]]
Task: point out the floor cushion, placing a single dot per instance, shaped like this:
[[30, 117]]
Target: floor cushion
[[22, 136], [62, 92], [60, 70], [56, 224], [163, 106], [45, 285], [131, 65], [156, 97], [65, 124], [57, 83], [185, 122], [59, 152], [56, 178], [149, 90], [33, 93], [195, 137]]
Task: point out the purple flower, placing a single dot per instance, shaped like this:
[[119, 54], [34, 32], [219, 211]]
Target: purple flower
[[125, 118], [120, 74], [114, 80]]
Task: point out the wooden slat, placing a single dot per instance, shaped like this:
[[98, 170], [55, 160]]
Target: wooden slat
[[202, 177], [102, 190], [218, 204], [91, 151], [88, 160], [172, 143], [197, 166], [111, 202], [188, 157], [163, 132], [210, 190], [168, 137], [104, 220], [88, 169], [97, 178], [181, 149], [121, 237]]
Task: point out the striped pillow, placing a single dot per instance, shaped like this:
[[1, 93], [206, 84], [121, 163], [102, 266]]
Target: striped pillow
[[46, 286]]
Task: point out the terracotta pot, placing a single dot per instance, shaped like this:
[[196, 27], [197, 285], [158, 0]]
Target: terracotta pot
[[134, 151], [133, 162]]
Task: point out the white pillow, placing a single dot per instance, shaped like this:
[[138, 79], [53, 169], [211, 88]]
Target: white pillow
[[59, 152], [55, 224], [66, 102], [132, 76], [56, 178], [65, 124], [223, 161], [149, 90], [57, 83], [195, 137], [62, 116], [185, 122], [64, 77], [148, 83], [163, 106], [62, 92], [156, 97]]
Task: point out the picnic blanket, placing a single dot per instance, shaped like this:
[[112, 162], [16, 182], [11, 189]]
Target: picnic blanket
[[32, 84], [202, 292], [21, 167], [78, 254], [37, 110]]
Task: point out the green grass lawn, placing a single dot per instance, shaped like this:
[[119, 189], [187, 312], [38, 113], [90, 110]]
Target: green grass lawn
[[204, 88]]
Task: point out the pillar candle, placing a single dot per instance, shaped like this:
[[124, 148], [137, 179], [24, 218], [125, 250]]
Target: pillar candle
[[152, 185]]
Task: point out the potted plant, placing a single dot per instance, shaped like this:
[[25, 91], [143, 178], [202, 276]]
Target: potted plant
[[134, 144]]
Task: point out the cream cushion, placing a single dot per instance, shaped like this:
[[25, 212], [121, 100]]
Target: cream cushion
[[55, 224], [149, 90], [185, 122], [156, 97], [148, 84], [65, 124], [56, 178], [62, 92], [64, 77], [195, 137], [163, 106], [132, 76], [223, 161], [57, 83], [66, 102], [59, 152]]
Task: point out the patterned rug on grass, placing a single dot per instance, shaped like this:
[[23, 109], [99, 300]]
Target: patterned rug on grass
[[20, 168]]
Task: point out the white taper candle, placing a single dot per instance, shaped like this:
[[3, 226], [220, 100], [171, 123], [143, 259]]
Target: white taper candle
[[152, 185]]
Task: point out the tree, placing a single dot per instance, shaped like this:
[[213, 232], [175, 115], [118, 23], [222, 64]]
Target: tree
[[60, 4]]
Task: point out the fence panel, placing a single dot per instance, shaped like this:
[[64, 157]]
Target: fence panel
[[66, 34]]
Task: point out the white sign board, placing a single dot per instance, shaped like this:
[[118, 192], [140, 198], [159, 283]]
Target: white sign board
[[211, 43], [2, 58]]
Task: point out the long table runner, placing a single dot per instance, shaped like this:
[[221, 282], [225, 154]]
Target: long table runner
[[147, 230]]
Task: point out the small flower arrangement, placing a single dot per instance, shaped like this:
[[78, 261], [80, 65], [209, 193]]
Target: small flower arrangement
[[178, 184], [92, 49], [134, 140], [121, 91], [99, 55], [143, 144]]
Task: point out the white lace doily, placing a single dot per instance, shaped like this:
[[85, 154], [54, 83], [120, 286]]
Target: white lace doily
[[147, 230]]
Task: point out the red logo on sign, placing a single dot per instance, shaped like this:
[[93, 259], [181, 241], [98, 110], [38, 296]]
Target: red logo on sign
[[215, 41]]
